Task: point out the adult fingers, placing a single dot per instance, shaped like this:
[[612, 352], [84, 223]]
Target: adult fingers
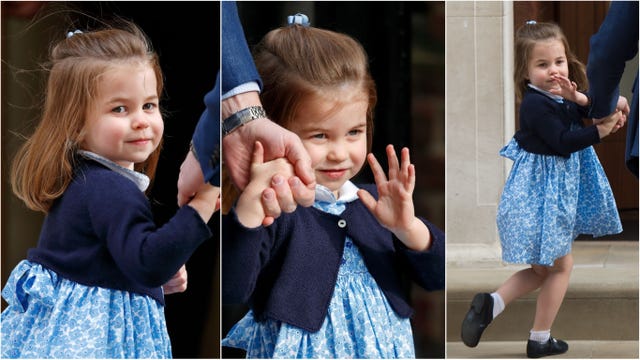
[[270, 204], [283, 193], [303, 195], [299, 157]]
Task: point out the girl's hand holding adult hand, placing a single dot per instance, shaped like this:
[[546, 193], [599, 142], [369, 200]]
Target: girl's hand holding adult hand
[[178, 283]]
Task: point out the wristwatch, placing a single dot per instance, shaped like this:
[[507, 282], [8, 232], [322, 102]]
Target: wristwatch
[[242, 117]]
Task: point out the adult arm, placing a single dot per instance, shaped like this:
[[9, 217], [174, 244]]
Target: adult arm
[[615, 43], [238, 69]]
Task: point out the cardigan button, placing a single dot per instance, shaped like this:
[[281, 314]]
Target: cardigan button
[[342, 223]]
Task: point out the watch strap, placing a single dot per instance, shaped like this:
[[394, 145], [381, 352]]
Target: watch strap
[[242, 117]]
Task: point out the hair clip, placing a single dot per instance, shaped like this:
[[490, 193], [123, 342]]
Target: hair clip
[[531, 22], [299, 19], [71, 33]]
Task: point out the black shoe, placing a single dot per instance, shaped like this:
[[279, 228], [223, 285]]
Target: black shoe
[[477, 319], [536, 349]]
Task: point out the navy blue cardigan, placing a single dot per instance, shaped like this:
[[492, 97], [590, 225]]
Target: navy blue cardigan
[[545, 126], [288, 271], [101, 232]]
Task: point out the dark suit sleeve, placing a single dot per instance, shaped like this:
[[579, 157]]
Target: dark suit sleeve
[[237, 68], [237, 63], [615, 42], [206, 137]]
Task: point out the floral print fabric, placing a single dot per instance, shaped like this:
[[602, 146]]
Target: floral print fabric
[[548, 201], [360, 323], [52, 317]]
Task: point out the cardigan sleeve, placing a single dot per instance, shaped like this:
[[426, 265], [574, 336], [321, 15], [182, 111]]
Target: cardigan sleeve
[[122, 218], [245, 252], [427, 267], [550, 123]]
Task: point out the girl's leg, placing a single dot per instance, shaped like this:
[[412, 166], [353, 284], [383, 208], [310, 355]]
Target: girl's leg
[[552, 293], [522, 283]]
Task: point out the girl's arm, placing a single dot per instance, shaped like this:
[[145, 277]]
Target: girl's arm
[[394, 208], [205, 201], [258, 193]]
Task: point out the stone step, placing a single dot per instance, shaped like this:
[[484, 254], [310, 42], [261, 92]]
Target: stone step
[[601, 302], [578, 349]]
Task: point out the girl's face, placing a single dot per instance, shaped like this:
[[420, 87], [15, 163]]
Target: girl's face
[[124, 123], [334, 132], [547, 58]]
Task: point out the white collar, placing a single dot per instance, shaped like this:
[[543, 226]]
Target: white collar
[[348, 192], [141, 180], [555, 97]]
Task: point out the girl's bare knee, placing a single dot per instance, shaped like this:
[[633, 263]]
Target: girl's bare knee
[[540, 270], [563, 264]]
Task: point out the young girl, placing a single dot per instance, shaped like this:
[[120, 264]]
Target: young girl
[[92, 288], [326, 281], [556, 190]]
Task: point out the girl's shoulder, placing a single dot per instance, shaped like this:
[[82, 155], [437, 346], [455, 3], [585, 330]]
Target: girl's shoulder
[[536, 102], [92, 175]]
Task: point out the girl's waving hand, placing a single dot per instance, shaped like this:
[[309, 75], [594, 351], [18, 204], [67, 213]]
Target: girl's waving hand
[[394, 208]]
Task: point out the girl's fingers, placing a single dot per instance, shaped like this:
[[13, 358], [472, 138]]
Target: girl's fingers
[[367, 199], [405, 161], [394, 166], [258, 153], [410, 184], [376, 169]]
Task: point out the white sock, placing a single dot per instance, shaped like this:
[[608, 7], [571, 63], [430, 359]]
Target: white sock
[[540, 336], [498, 304]]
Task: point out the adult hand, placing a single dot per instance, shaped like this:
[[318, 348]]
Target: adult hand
[[609, 124], [190, 179], [278, 142], [623, 106], [178, 283]]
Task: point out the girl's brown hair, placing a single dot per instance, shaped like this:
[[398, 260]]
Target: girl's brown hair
[[297, 63], [43, 166], [526, 37]]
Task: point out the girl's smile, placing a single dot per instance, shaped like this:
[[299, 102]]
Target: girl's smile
[[333, 131], [124, 124]]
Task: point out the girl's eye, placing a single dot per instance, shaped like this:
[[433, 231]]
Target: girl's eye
[[119, 109], [355, 132], [318, 136], [149, 106]]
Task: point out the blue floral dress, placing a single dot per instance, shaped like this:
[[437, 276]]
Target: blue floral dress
[[548, 201], [49, 316], [360, 323]]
